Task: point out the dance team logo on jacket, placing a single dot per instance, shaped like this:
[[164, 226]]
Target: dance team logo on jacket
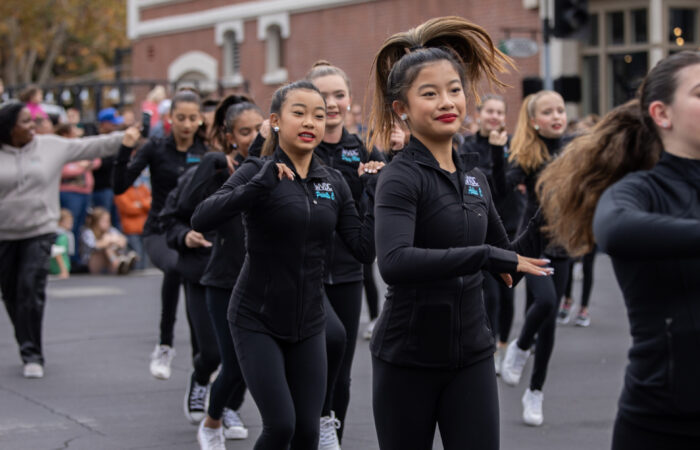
[[324, 190], [351, 156], [473, 187]]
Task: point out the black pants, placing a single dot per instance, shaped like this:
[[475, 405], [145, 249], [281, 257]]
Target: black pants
[[346, 299], [408, 402], [587, 287], [288, 383], [24, 266], [541, 318], [229, 388], [165, 258], [207, 359], [628, 436], [371, 291], [498, 300], [336, 342]]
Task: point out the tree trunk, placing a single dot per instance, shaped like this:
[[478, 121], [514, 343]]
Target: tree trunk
[[11, 57], [28, 67], [59, 38]]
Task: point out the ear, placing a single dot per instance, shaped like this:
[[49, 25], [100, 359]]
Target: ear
[[274, 120], [533, 122], [229, 138], [399, 107], [660, 113]]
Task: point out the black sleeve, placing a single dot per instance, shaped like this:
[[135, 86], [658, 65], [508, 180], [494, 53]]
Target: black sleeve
[[199, 186], [624, 227], [125, 173], [398, 195], [256, 146], [174, 223], [499, 178], [357, 234], [248, 185]]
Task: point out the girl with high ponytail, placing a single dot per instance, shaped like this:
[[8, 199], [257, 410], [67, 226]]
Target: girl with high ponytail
[[539, 138], [437, 229], [343, 280], [633, 187], [237, 121]]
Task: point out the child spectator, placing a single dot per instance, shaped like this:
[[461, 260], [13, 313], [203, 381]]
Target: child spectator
[[64, 247], [102, 247], [133, 206]]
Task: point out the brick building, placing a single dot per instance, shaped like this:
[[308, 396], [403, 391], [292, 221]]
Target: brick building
[[256, 45]]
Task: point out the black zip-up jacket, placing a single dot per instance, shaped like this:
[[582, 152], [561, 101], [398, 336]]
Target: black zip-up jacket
[[289, 225], [435, 233], [165, 164], [346, 156], [179, 207], [649, 223], [228, 251], [510, 203]]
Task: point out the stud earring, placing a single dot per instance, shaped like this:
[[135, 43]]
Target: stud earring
[[536, 127], [349, 108], [666, 125], [404, 117], [200, 123], [277, 129], [234, 146]]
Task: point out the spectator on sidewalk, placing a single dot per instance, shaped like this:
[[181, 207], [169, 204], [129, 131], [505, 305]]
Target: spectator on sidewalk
[[133, 206], [64, 247]]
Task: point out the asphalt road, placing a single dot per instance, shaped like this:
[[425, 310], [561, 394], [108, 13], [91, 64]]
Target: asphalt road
[[99, 394]]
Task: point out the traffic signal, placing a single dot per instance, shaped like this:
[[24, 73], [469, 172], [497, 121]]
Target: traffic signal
[[570, 17]]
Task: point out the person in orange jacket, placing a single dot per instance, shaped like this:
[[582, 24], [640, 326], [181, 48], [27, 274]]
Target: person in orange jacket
[[133, 206]]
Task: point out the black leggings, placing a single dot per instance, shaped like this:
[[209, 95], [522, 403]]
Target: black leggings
[[207, 358], [288, 383], [165, 258], [229, 388], [346, 299], [628, 436], [498, 299], [24, 267], [336, 342], [371, 291], [541, 318], [587, 286], [408, 402]]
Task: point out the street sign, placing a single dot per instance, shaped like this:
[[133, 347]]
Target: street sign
[[519, 47]]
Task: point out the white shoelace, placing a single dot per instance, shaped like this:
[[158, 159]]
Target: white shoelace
[[328, 435], [231, 419], [197, 397]]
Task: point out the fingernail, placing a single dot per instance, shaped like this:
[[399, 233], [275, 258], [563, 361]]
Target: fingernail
[[547, 260]]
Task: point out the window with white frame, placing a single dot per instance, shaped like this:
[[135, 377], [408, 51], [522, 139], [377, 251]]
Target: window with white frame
[[273, 30], [231, 56]]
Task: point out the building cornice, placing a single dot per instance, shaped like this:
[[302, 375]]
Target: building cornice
[[210, 17]]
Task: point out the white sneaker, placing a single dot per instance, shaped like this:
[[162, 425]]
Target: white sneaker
[[233, 425], [210, 438], [367, 335], [532, 408], [161, 358], [513, 363], [33, 370], [328, 438], [195, 404]]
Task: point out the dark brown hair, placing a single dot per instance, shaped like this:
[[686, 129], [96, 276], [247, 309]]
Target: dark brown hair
[[624, 141], [467, 46], [225, 117]]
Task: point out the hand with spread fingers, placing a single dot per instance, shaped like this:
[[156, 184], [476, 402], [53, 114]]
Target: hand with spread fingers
[[533, 266], [284, 172], [370, 167]]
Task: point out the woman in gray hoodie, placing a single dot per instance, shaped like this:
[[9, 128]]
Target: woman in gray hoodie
[[30, 172]]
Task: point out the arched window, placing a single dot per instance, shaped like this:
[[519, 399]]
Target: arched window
[[232, 55], [273, 30]]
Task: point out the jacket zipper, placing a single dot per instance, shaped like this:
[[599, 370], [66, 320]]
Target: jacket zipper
[[300, 301]]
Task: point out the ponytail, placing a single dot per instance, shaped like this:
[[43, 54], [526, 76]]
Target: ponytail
[[624, 141], [467, 46]]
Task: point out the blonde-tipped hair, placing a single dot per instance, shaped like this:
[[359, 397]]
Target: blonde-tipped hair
[[397, 63]]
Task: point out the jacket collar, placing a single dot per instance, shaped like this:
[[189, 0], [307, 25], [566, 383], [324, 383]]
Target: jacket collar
[[347, 141], [680, 168], [316, 169], [420, 153]]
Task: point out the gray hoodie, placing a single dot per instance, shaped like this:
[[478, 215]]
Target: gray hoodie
[[30, 177]]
